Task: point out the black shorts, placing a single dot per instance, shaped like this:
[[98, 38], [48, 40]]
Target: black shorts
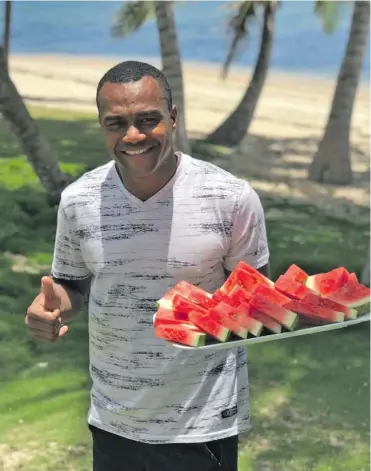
[[114, 453]]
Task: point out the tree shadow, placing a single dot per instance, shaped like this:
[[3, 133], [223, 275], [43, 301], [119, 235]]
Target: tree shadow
[[310, 399]]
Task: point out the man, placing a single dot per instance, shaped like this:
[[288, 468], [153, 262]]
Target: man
[[129, 230]]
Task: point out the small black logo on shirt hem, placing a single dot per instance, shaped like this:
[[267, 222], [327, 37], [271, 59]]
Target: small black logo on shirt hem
[[229, 412]]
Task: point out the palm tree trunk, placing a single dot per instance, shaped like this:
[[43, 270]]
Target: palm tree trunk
[[234, 128], [331, 163], [40, 155], [172, 67], [7, 23]]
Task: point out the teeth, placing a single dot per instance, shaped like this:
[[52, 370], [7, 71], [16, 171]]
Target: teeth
[[136, 152]]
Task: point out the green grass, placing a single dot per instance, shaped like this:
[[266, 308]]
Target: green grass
[[310, 396]]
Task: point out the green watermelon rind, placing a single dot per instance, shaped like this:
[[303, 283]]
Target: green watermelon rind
[[222, 335], [289, 319], [362, 306]]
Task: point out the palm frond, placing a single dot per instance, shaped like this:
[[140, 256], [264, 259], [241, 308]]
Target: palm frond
[[238, 24], [131, 16], [328, 12]]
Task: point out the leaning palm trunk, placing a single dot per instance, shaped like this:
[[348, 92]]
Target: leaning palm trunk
[[40, 155], [7, 22], [172, 67], [331, 163], [234, 128]]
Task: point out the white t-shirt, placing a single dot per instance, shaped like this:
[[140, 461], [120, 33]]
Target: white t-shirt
[[204, 220]]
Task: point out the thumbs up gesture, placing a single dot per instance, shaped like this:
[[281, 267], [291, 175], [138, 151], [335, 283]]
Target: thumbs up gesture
[[43, 317]]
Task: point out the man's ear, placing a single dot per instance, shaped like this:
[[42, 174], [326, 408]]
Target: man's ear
[[174, 116]]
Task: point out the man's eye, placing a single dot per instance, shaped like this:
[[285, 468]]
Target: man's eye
[[113, 125], [149, 120]]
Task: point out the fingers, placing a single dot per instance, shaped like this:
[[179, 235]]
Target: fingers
[[37, 312], [47, 285], [45, 326]]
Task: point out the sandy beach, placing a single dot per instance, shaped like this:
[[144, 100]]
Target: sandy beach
[[275, 155]]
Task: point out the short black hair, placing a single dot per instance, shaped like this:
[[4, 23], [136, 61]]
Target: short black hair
[[132, 71]]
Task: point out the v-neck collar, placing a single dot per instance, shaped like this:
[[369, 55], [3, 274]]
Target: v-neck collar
[[157, 196]]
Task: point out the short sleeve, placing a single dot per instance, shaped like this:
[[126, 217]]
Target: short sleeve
[[249, 237], [68, 262]]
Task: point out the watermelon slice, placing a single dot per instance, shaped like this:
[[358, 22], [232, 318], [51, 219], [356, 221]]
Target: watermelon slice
[[169, 315], [194, 293], [326, 283], [272, 295], [314, 311], [239, 295], [291, 288], [220, 297], [208, 325], [330, 304], [295, 273], [181, 333], [256, 273], [184, 304], [245, 276], [353, 295], [223, 315], [277, 312], [243, 316], [267, 321]]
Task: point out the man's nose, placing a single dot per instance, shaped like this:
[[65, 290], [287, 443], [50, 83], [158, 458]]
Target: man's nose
[[133, 135]]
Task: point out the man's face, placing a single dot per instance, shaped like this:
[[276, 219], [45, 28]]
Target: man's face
[[137, 125]]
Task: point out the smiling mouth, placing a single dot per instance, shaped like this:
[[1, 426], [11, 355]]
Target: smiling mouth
[[137, 151]]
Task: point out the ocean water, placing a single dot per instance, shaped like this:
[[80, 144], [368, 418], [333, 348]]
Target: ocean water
[[83, 27]]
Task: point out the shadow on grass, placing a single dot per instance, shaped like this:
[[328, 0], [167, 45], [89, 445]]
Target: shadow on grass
[[308, 396], [311, 400]]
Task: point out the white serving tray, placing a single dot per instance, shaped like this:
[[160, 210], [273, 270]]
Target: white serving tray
[[271, 337]]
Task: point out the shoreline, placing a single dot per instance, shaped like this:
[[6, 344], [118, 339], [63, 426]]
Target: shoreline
[[236, 69], [288, 122]]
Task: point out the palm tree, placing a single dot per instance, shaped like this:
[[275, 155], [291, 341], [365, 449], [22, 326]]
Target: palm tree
[[331, 163], [130, 18], [234, 128], [40, 155], [7, 23]]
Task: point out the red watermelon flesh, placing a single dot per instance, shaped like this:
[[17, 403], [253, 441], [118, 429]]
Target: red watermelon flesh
[[295, 273], [219, 296], [353, 277], [239, 295], [208, 325], [267, 321], [243, 315], [291, 288], [244, 266], [181, 334], [326, 283], [182, 303], [223, 315], [239, 311], [165, 313], [353, 295], [314, 312], [279, 313], [245, 276], [330, 304], [272, 295], [194, 293]]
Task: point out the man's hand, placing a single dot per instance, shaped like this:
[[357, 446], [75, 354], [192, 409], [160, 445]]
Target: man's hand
[[43, 317]]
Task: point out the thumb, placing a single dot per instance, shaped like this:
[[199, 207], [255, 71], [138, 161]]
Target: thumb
[[63, 330], [47, 285]]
